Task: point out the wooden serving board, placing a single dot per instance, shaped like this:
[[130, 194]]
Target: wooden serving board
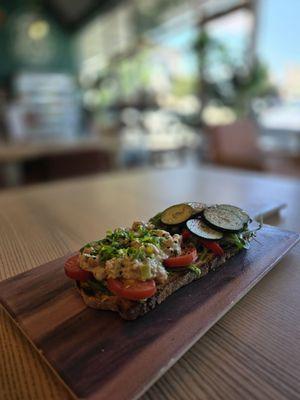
[[100, 356]]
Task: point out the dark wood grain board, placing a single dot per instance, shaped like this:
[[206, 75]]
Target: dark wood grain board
[[99, 355]]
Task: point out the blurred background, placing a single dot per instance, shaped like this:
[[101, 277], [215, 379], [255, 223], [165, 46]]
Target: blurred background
[[101, 85]]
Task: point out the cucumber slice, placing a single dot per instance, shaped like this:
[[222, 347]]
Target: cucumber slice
[[177, 214], [199, 228], [226, 217]]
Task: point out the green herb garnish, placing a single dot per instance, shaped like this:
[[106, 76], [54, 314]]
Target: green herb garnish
[[195, 269], [120, 243], [156, 219], [99, 287], [242, 240], [203, 255]]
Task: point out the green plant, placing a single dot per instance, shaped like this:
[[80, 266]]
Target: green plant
[[241, 83]]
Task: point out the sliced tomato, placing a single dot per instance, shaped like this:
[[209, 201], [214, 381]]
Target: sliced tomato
[[213, 246], [186, 234], [132, 290], [73, 270], [188, 256]]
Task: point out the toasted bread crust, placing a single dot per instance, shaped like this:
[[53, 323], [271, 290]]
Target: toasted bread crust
[[131, 310]]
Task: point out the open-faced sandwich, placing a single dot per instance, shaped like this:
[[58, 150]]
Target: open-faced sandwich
[[131, 270]]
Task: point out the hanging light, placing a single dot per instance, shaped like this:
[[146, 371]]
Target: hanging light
[[38, 29]]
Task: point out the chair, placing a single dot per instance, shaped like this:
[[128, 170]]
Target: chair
[[235, 145]]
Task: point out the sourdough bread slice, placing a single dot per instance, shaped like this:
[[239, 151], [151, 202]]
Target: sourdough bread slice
[[131, 310]]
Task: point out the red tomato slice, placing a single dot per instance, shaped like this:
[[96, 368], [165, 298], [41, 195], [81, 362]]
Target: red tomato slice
[[73, 270], [132, 290], [188, 256], [186, 234], [213, 246]]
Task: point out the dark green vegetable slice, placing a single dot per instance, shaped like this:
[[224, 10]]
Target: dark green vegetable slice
[[226, 217], [199, 228], [238, 211], [197, 207], [177, 214]]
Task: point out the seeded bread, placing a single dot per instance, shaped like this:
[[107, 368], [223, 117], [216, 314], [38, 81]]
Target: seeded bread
[[131, 310]]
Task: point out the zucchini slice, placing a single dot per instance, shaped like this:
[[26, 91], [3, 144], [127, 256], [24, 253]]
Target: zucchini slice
[[226, 217], [238, 211], [177, 214], [199, 228], [197, 207]]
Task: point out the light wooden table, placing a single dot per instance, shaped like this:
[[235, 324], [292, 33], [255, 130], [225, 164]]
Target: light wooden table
[[252, 353]]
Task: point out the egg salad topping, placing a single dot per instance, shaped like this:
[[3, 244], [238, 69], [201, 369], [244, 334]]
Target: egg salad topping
[[131, 253]]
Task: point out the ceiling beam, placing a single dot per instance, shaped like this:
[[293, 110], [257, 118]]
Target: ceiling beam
[[207, 18], [99, 7]]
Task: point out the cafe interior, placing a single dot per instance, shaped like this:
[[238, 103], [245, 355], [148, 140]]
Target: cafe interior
[[119, 111], [94, 87]]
